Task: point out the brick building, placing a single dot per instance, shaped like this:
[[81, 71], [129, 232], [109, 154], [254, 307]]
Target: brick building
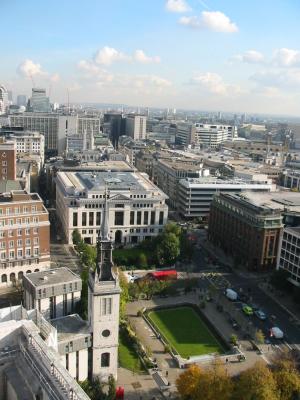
[[247, 228], [24, 235], [7, 160]]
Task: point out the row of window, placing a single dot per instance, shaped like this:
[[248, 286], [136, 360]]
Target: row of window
[[18, 264], [18, 210], [19, 221], [71, 288], [11, 254], [19, 232], [19, 243]]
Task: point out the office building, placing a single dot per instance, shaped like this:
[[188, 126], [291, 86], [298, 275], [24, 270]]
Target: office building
[[55, 127], [3, 100], [185, 134], [54, 293], [212, 136], [289, 254], [136, 126], [39, 102], [169, 171], [31, 144], [21, 100], [24, 235], [136, 207], [114, 127], [247, 227], [7, 159], [196, 194], [291, 179]]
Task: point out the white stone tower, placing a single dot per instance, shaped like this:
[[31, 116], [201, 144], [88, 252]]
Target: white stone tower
[[103, 306]]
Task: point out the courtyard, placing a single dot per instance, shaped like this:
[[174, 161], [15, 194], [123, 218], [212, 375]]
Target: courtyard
[[185, 331]]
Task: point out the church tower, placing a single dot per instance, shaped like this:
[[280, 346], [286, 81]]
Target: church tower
[[103, 306]]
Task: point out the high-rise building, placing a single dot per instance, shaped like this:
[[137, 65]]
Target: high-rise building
[[114, 127], [22, 100], [3, 99], [103, 305], [55, 127], [39, 102], [185, 134], [212, 136], [136, 126]]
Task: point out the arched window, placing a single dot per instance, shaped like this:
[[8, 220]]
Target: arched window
[[12, 277], [4, 278], [20, 275], [28, 272], [36, 270], [105, 359]]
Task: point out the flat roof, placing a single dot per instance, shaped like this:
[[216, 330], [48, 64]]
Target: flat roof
[[70, 327], [52, 277], [293, 229]]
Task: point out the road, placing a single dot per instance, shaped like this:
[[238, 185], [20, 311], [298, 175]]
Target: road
[[249, 284]]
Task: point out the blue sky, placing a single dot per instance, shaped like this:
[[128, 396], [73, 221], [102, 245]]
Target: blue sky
[[230, 55]]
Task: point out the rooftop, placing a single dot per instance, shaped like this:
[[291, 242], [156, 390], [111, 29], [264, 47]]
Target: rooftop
[[52, 277], [281, 200], [294, 230], [70, 327], [93, 166], [9, 185], [18, 196]]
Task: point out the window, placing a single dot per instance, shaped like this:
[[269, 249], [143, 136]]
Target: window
[[105, 359], [19, 232], [10, 233], [146, 216], [28, 242], [139, 217], [75, 219], [98, 218], [11, 244], [27, 221], [105, 333], [19, 242], [106, 306], [12, 254], [161, 218], [119, 218], [3, 255], [35, 220], [25, 210], [20, 253], [36, 230], [19, 221], [91, 218], [131, 217], [2, 234], [27, 231], [2, 245], [36, 240], [28, 252], [83, 219], [36, 251], [152, 222]]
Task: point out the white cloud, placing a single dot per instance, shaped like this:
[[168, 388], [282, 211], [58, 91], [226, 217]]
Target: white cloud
[[250, 57], [214, 83], [141, 57], [177, 6], [287, 79], [29, 69], [287, 57], [108, 55], [212, 20]]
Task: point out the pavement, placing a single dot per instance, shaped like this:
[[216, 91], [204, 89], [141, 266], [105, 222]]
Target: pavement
[[63, 255]]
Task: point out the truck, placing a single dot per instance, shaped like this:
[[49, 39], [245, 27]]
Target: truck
[[231, 294]]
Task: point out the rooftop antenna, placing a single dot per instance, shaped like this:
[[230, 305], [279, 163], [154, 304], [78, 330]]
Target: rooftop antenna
[[68, 97], [32, 80]]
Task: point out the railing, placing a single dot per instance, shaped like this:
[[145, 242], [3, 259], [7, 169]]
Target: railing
[[66, 384]]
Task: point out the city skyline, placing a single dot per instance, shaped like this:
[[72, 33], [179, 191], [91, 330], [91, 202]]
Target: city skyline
[[213, 55]]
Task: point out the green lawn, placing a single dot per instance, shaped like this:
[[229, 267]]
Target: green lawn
[[185, 331], [128, 357]]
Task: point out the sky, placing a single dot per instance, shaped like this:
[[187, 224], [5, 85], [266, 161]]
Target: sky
[[221, 55]]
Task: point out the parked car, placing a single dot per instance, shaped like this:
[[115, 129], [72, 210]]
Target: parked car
[[276, 333], [234, 324], [231, 294], [247, 309], [260, 314]]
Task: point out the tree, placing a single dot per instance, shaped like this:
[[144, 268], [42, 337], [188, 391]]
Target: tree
[[76, 237], [188, 381], [111, 395], [124, 297], [259, 336], [172, 227], [142, 261], [168, 249], [287, 377], [209, 384], [256, 383]]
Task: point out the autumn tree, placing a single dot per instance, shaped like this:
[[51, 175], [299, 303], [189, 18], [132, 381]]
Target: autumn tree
[[259, 336], [188, 381], [287, 377], [256, 383]]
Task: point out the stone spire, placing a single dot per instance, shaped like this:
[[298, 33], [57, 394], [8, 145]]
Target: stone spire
[[104, 248]]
